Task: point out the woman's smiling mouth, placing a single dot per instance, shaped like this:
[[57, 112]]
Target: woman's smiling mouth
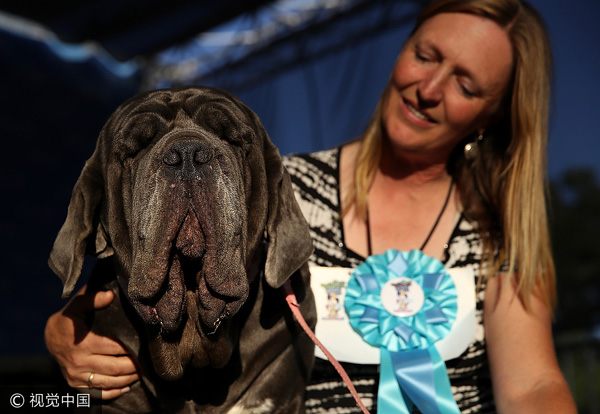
[[414, 111]]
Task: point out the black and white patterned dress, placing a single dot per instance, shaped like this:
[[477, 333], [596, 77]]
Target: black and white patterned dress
[[315, 178]]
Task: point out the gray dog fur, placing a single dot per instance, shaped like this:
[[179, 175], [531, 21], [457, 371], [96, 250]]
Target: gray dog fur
[[183, 194]]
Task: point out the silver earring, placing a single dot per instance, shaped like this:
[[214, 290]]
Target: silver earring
[[472, 148]]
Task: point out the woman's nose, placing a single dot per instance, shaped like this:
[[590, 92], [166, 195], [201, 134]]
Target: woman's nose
[[430, 90]]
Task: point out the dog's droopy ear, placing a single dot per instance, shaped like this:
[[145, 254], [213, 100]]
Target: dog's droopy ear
[[290, 243], [81, 227]]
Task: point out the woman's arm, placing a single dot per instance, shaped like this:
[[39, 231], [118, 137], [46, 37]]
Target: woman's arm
[[524, 369], [80, 352]]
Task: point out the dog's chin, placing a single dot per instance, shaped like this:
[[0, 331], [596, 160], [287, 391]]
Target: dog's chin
[[188, 297], [172, 353], [201, 337]]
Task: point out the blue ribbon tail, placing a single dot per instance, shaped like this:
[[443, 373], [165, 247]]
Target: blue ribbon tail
[[390, 398], [421, 375], [445, 398]]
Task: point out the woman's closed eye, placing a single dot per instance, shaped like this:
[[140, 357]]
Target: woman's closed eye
[[467, 90]]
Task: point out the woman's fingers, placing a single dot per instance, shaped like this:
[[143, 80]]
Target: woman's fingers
[[112, 366], [98, 391], [106, 382], [84, 302], [111, 373], [113, 369], [119, 373], [81, 352], [103, 345], [103, 299]]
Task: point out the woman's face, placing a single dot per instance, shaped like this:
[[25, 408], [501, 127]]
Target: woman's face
[[447, 83]]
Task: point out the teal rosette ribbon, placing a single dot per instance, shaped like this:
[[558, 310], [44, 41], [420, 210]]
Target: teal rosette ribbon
[[404, 302]]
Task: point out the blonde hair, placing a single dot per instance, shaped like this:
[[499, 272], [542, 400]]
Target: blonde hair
[[504, 190]]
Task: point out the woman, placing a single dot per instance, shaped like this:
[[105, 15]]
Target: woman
[[453, 164]]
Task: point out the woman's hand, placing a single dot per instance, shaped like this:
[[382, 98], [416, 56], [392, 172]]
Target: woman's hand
[[81, 353]]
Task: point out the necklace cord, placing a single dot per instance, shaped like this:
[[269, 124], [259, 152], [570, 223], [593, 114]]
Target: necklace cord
[[435, 224]]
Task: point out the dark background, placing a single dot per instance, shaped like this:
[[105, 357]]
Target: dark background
[[65, 66]]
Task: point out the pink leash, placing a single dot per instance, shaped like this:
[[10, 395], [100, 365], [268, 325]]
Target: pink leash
[[295, 307]]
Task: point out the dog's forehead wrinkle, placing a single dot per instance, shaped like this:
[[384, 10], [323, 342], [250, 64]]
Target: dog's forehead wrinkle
[[185, 120], [226, 120], [161, 106]]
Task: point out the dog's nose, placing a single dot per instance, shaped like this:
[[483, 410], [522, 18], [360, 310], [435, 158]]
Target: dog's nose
[[184, 155]]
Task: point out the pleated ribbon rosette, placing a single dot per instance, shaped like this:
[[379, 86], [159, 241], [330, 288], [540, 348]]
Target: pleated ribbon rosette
[[403, 302]]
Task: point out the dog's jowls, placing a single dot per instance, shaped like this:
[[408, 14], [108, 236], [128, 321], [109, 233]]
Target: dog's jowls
[[183, 193]]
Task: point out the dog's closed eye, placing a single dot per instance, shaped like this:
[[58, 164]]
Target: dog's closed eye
[[227, 123], [137, 133]]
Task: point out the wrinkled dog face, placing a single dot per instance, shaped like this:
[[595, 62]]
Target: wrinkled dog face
[[187, 213], [182, 188], [184, 193]]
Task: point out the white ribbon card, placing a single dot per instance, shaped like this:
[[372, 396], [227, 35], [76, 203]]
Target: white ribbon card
[[334, 330]]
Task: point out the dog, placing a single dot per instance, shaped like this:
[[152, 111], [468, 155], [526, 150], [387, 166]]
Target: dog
[[190, 213]]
